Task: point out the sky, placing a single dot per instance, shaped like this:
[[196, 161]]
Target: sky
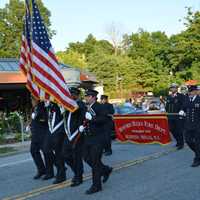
[[73, 20]]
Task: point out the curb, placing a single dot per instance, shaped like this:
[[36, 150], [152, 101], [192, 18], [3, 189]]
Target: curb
[[14, 152]]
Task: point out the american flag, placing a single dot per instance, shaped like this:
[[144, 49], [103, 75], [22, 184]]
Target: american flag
[[46, 70], [25, 55]]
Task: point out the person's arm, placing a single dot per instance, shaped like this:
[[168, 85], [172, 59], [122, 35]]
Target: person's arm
[[101, 115], [82, 110], [111, 110]]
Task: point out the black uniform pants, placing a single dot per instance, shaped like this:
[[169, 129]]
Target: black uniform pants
[[108, 132], [38, 139], [92, 154], [176, 128], [73, 157], [54, 143], [35, 150], [192, 138]]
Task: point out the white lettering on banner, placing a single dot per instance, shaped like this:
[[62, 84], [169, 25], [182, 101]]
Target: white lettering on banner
[[137, 131], [143, 137], [146, 124], [133, 137], [160, 129]]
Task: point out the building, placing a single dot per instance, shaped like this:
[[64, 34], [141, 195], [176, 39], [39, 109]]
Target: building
[[14, 94]]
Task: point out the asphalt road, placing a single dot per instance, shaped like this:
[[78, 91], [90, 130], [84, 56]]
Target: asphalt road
[[142, 172]]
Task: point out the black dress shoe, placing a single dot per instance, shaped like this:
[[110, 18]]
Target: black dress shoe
[[108, 153], [195, 164], [179, 147], [48, 176], [76, 182], [93, 189], [107, 174], [59, 180], [38, 175]]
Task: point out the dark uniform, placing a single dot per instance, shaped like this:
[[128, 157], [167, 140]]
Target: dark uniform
[[56, 139], [39, 130], [191, 108], [174, 104], [109, 125], [93, 145], [72, 148]]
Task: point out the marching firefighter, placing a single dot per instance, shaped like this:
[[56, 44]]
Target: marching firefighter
[[174, 104], [39, 131], [191, 111], [55, 140], [109, 125], [94, 141], [72, 148]]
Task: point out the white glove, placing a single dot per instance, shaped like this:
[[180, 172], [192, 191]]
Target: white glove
[[62, 109], [46, 103], [27, 129], [33, 115], [81, 128], [182, 113], [162, 110], [88, 116]]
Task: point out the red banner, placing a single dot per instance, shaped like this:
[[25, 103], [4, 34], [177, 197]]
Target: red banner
[[142, 128]]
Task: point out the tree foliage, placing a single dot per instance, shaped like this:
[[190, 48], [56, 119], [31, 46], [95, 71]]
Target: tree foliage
[[144, 61], [11, 25]]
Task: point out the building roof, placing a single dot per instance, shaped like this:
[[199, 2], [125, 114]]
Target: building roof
[[10, 73], [8, 65]]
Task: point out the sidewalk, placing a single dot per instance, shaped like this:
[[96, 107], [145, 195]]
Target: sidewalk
[[18, 148]]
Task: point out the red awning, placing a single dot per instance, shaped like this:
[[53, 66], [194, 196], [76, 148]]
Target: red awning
[[191, 82], [18, 77], [12, 77]]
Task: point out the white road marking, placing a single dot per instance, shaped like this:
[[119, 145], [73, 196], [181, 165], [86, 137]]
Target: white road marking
[[15, 163]]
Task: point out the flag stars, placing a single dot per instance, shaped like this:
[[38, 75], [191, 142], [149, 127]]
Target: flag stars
[[40, 35]]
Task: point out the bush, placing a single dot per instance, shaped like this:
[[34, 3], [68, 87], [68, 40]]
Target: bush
[[14, 122], [10, 128]]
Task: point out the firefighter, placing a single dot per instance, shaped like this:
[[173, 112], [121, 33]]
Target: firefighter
[[72, 149], [191, 111], [94, 141], [174, 104], [109, 125], [39, 131]]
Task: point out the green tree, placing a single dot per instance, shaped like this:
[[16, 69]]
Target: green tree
[[91, 45], [11, 25], [72, 58], [184, 54]]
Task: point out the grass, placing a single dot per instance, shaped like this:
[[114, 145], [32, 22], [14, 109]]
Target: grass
[[5, 150]]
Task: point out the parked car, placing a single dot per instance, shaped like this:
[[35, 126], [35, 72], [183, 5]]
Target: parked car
[[125, 110], [153, 104]]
